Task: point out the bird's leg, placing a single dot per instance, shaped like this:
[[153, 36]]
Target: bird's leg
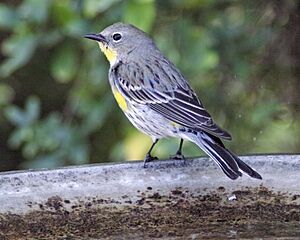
[[148, 157], [178, 155]]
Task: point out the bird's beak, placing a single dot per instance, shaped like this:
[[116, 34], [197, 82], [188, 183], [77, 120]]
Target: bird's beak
[[97, 37]]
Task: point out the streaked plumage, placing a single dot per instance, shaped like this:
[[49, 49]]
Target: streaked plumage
[[158, 100]]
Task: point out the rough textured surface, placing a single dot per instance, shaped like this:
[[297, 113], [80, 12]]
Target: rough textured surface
[[169, 200]]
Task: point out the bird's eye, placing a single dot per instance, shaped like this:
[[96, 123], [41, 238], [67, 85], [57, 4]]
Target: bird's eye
[[117, 37]]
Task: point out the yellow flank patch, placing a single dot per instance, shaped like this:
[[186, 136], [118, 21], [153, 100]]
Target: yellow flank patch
[[120, 99], [110, 54]]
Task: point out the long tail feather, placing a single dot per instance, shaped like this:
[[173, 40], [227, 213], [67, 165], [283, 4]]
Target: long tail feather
[[226, 160], [246, 168]]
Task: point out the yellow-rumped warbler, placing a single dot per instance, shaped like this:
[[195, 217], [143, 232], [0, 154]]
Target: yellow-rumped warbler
[[158, 100]]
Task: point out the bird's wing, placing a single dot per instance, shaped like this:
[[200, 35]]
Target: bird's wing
[[165, 94]]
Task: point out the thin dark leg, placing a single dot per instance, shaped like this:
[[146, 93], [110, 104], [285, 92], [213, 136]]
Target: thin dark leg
[[180, 147], [178, 154], [148, 157]]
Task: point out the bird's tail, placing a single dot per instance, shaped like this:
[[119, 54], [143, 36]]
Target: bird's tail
[[227, 161]]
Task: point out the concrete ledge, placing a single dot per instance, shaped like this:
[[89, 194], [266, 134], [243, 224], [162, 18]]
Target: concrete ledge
[[127, 200]]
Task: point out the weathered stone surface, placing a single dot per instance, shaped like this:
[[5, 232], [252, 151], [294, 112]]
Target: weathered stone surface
[[168, 199]]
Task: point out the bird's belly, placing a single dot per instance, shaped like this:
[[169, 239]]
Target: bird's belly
[[150, 122]]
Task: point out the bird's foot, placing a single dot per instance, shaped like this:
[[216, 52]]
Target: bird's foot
[[178, 156], [148, 158]]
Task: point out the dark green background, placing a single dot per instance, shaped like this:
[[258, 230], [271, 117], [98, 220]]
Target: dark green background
[[56, 107]]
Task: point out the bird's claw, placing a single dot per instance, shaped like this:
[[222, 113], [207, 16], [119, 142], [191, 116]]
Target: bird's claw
[[178, 156], [149, 158]]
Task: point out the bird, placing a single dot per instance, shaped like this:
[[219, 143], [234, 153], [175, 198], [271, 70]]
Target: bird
[[158, 100]]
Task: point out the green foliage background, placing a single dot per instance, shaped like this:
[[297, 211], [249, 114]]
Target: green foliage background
[[56, 107]]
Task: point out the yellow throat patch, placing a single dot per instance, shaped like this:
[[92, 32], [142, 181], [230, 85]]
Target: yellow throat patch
[[110, 54], [120, 99]]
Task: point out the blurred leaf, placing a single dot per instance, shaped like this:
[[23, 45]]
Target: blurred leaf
[[15, 115], [34, 10], [27, 117], [50, 38], [19, 136], [50, 133], [76, 28], [45, 161], [79, 153], [235, 15], [19, 50], [31, 149], [8, 17], [92, 7], [32, 109], [64, 64], [95, 112], [63, 12], [67, 17], [140, 13]]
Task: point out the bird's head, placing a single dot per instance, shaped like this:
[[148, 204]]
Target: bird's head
[[117, 41]]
